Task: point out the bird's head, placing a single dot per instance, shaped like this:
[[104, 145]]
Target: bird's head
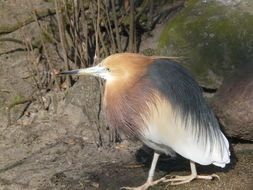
[[118, 67]]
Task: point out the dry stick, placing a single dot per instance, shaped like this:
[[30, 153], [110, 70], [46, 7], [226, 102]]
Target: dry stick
[[78, 47], [116, 25], [110, 30], [74, 31], [85, 28], [63, 39], [75, 26], [86, 60], [95, 25], [34, 64], [84, 45], [5, 90], [81, 52], [100, 38], [168, 9], [72, 28], [142, 8], [150, 15], [48, 35], [9, 107], [31, 69], [99, 31], [102, 42], [131, 44], [46, 53], [62, 24]]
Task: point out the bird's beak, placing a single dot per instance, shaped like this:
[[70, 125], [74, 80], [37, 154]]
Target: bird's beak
[[96, 71]]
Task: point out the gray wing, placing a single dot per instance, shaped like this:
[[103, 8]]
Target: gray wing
[[185, 96]]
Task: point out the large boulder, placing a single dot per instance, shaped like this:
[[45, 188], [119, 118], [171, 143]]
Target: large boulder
[[233, 104], [16, 83], [215, 39], [214, 36]]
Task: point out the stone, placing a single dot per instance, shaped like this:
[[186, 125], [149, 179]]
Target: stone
[[233, 104], [83, 106], [15, 77], [214, 37]]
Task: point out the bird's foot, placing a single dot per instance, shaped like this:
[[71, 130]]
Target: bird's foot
[[145, 186], [177, 180]]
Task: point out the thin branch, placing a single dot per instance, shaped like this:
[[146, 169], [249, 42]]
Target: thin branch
[[131, 46], [9, 107], [142, 8], [46, 53], [110, 31], [63, 39], [116, 25]]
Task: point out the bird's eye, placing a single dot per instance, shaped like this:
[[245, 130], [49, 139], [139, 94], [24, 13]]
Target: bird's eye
[[107, 69]]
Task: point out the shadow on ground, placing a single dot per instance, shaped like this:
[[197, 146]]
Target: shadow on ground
[[49, 155]]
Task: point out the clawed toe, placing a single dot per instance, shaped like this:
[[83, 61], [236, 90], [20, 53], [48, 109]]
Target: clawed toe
[[177, 180], [145, 186]]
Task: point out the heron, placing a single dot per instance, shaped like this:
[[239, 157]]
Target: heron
[[158, 101]]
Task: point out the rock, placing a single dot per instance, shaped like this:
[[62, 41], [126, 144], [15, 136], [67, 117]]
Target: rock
[[83, 107], [15, 71], [74, 114], [233, 104], [149, 42], [214, 36]]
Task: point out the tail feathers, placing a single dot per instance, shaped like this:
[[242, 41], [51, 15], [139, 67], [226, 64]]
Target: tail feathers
[[224, 153], [221, 164]]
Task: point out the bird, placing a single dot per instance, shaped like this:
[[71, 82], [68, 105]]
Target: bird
[[158, 101]]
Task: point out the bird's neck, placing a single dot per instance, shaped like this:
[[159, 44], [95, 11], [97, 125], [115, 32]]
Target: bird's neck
[[124, 105]]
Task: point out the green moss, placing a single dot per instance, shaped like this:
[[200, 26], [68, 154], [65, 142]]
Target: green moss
[[212, 36], [2, 104], [149, 52], [48, 31], [18, 98]]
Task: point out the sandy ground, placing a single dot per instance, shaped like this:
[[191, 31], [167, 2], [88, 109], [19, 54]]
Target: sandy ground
[[237, 175], [46, 156], [54, 153]]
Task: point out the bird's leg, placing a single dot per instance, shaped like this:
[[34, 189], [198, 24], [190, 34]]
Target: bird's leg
[[151, 173], [176, 180]]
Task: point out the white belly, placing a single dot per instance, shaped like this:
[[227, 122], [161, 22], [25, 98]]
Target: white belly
[[167, 130]]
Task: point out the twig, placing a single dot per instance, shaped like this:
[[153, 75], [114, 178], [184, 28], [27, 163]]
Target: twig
[[116, 25], [5, 90], [131, 46], [9, 107], [150, 15], [63, 39], [96, 25], [86, 59], [142, 7], [46, 53], [34, 71], [110, 31]]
